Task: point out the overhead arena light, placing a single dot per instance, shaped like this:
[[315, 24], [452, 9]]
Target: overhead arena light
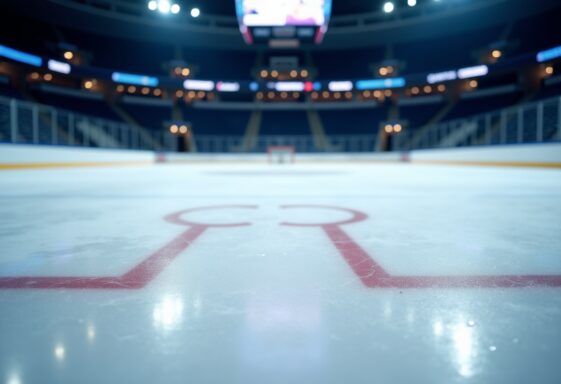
[[164, 6], [389, 7], [549, 54], [128, 78], [22, 57], [469, 72], [195, 12], [59, 66], [199, 85]]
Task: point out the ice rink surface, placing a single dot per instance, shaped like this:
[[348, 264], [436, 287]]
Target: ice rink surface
[[333, 273]]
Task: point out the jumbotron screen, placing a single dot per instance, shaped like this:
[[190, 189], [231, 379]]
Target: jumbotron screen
[[307, 19], [269, 13]]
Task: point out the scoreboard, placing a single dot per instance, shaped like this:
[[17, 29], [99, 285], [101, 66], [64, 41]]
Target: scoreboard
[[283, 23]]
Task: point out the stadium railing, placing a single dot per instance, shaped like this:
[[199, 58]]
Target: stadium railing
[[301, 143], [535, 122], [33, 123]]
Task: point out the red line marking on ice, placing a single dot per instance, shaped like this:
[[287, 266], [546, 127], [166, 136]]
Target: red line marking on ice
[[366, 269], [140, 275], [372, 275], [363, 265]]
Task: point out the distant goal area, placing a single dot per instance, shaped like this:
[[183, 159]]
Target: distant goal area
[[281, 154]]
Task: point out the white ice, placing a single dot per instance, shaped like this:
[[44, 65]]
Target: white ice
[[267, 303]]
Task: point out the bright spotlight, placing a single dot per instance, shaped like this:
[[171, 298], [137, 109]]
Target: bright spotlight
[[175, 8], [164, 6], [152, 5], [195, 12], [411, 3], [59, 352], [388, 7]]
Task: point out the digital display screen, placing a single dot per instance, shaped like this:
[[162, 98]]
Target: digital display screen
[[273, 13]]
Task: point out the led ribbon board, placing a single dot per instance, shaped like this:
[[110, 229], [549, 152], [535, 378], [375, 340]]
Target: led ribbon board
[[469, 72], [289, 86], [340, 86], [550, 54], [395, 82], [59, 66], [22, 57], [223, 86], [198, 85], [127, 78]]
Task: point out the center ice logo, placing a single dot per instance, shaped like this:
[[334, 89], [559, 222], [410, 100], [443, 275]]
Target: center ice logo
[[361, 263]]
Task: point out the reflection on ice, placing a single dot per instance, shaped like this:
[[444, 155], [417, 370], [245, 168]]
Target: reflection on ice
[[197, 306], [90, 332], [465, 346], [437, 327], [286, 329], [59, 352], [168, 313], [410, 316], [388, 310], [14, 378]]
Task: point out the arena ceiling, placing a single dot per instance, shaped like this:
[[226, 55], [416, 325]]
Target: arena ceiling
[[218, 28], [227, 7]]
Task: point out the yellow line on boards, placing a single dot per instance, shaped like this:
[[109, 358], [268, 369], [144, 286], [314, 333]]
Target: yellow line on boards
[[491, 163], [72, 165], [16, 166]]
